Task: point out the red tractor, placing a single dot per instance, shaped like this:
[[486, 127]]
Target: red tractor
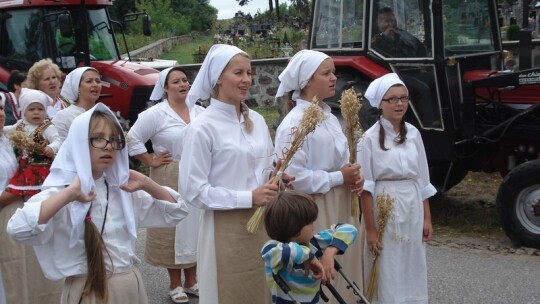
[[74, 33], [474, 113]]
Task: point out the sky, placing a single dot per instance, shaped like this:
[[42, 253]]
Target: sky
[[227, 8]]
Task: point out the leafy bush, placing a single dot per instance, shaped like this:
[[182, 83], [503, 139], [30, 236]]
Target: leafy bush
[[512, 33]]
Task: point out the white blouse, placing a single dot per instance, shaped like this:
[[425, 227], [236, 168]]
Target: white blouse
[[221, 163], [403, 161], [50, 133], [63, 119], [51, 240], [316, 166], [163, 126], [8, 162]]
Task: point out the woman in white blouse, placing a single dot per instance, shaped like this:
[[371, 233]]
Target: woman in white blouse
[[81, 88], [394, 162], [164, 124], [224, 169], [321, 167]]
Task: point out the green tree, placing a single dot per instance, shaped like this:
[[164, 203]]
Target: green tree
[[120, 8]]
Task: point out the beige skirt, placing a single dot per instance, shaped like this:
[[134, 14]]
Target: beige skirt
[[124, 287], [240, 268], [335, 207], [159, 249], [23, 279]]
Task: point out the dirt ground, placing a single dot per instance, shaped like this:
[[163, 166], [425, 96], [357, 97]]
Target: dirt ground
[[466, 217]]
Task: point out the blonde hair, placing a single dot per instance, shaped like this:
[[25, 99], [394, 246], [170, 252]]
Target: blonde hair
[[36, 72]]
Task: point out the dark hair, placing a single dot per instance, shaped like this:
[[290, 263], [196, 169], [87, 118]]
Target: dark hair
[[402, 129], [176, 68], [287, 213], [15, 78]]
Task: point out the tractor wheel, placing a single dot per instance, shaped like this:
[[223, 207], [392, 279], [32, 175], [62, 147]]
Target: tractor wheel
[[518, 201]]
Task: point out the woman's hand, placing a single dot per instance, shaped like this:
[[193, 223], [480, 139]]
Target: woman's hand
[[161, 159], [263, 194], [136, 181], [351, 174]]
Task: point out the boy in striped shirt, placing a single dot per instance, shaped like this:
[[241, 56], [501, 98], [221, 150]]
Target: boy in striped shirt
[[296, 253]]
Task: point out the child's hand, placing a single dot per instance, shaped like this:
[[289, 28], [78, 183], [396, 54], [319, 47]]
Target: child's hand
[[136, 181], [76, 194], [427, 231], [160, 159], [358, 186], [327, 261], [316, 268], [374, 246], [48, 151], [263, 194], [351, 174]]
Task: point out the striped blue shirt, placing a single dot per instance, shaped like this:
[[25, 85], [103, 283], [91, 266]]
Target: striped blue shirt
[[287, 260]]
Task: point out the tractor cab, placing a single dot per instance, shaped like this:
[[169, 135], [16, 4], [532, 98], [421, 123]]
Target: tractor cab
[[475, 111]]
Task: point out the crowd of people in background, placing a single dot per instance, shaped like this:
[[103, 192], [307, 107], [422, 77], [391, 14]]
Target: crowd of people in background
[[66, 189]]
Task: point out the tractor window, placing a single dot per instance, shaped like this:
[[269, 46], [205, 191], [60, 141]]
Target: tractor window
[[22, 38], [467, 28], [338, 24], [401, 29], [100, 39], [421, 82]]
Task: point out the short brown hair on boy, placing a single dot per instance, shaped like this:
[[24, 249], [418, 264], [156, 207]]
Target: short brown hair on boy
[[287, 213]]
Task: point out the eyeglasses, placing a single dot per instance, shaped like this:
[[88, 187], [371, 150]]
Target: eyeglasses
[[101, 143], [394, 100]]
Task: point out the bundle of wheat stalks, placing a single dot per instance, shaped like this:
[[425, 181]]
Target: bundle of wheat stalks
[[313, 115], [385, 204], [350, 106], [19, 140]]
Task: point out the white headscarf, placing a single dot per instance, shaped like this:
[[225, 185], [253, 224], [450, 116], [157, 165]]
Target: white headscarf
[[213, 65], [70, 88], [158, 93], [73, 158], [299, 71], [378, 87], [29, 96]]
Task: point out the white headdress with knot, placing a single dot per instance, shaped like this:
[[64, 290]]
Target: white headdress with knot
[[158, 93], [29, 96], [73, 158], [213, 65], [70, 88], [378, 87], [299, 71]]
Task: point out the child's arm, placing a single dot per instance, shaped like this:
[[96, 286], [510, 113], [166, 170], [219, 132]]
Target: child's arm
[[332, 242], [277, 255], [51, 135], [51, 205], [139, 181]]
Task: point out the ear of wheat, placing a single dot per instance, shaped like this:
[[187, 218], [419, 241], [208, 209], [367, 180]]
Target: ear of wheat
[[19, 140], [385, 204], [313, 116], [350, 106]]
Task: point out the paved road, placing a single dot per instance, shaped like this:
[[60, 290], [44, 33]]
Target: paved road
[[459, 270]]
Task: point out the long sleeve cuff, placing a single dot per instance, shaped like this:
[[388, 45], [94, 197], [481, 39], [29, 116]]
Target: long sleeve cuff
[[336, 179], [427, 192], [244, 199]]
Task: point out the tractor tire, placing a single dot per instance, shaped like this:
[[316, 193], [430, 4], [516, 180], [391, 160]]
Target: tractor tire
[[518, 193]]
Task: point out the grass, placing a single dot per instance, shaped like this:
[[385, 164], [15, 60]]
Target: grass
[[184, 53]]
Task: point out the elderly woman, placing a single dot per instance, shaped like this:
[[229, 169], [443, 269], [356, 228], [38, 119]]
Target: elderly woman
[[45, 76], [81, 88]]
